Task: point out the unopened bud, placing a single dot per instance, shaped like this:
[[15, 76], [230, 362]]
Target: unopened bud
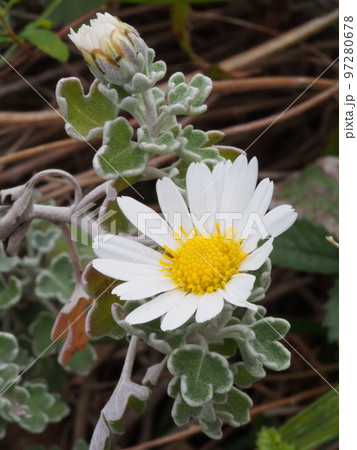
[[113, 49]]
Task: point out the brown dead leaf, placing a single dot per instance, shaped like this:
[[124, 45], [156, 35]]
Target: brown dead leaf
[[70, 325]]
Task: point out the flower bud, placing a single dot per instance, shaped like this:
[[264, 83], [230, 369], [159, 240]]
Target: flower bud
[[113, 49]]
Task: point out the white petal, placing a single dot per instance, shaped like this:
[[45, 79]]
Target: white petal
[[201, 197], [123, 270], [139, 289], [260, 201], [179, 313], [219, 177], [279, 219], [110, 246], [155, 308], [252, 221], [246, 186], [234, 185], [209, 306], [173, 205], [147, 221], [238, 289], [255, 259]]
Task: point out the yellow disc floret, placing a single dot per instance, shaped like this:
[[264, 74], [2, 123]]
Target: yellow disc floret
[[203, 264]]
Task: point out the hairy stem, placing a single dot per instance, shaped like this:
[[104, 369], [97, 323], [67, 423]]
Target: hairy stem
[[151, 113], [73, 253]]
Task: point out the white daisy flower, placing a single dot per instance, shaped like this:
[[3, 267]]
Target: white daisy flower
[[207, 255]]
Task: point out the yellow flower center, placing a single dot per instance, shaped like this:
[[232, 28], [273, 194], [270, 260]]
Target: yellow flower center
[[203, 264]]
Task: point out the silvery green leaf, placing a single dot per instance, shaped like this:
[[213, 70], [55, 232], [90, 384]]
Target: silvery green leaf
[[236, 410], [193, 147], [187, 98], [82, 361], [133, 106], [211, 429], [202, 373], [44, 241], [182, 412], [125, 394], [242, 377], [10, 292], [8, 376], [7, 264], [165, 143], [43, 407], [270, 352], [155, 71], [9, 348], [257, 342], [85, 115], [58, 282], [57, 410], [119, 155], [41, 329]]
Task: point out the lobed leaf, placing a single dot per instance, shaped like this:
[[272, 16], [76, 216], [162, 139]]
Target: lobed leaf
[[202, 373], [58, 282], [10, 292], [119, 156], [85, 115]]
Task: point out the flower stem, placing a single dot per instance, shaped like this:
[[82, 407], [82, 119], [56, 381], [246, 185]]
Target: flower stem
[[73, 253], [130, 358], [151, 112]]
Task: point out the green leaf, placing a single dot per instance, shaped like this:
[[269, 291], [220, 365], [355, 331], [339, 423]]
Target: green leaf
[[332, 314], [212, 429], [7, 264], [193, 147], [187, 98], [47, 41], [10, 293], [86, 115], [8, 376], [304, 247], [202, 373], [82, 361], [182, 412], [57, 282], [9, 348], [44, 241], [112, 413], [236, 410], [242, 377], [100, 321], [315, 425], [165, 143], [41, 331], [57, 410], [119, 156], [39, 401], [270, 439], [271, 353], [257, 342]]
